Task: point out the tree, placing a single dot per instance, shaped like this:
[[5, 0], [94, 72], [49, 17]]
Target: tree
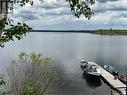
[[78, 8], [9, 30]]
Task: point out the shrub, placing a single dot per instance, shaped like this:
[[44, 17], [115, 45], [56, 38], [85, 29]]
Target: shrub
[[31, 75]]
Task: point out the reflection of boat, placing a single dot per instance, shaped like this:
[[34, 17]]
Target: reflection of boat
[[92, 82], [91, 68], [112, 70]]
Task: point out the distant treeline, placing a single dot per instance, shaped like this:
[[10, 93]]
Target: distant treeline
[[111, 32], [67, 31], [99, 32]]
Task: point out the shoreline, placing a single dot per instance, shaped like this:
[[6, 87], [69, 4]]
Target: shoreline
[[98, 32], [66, 31], [111, 32]]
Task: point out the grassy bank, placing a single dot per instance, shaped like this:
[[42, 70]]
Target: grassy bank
[[111, 32]]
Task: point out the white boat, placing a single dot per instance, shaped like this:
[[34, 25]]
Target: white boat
[[91, 68]]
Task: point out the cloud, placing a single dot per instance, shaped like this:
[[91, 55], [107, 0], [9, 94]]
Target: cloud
[[104, 1], [110, 6], [52, 4], [42, 8], [58, 11], [124, 15], [56, 14]]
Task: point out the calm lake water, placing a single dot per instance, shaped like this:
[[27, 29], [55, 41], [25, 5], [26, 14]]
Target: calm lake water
[[66, 50]]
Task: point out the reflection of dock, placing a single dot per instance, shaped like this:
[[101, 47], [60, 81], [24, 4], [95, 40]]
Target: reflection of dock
[[115, 83]]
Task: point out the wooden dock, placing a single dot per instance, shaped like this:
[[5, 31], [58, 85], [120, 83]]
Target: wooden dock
[[115, 83]]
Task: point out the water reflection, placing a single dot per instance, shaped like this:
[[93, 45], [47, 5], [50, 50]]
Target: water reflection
[[91, 81], [66, 50]]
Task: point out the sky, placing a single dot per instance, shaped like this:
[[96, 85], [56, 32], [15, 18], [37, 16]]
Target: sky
[[56, 15]]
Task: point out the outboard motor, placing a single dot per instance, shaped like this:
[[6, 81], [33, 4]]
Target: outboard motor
[[115, 73], [84, 61], [83, 64]]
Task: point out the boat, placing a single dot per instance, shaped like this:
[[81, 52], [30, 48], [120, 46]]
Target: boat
[[91, 68], [122, 78], [114, 72], [110, 69]]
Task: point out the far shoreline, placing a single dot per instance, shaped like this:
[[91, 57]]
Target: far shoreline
[[97, 32], [66, 31], [111, 32]]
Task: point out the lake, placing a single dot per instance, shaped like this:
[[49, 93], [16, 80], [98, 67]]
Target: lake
[[66, 51]]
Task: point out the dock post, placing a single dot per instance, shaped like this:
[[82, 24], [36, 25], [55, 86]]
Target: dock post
[[111, 92], [126, 82]]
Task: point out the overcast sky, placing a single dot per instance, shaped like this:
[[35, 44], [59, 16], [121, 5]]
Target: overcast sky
[[55, 14]]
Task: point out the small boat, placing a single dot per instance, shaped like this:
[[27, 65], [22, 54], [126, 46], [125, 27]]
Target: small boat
[[122, 78], [112, 70], [91, 68]]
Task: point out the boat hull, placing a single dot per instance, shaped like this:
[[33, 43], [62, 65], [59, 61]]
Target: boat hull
[[92, 76], [122, 79]]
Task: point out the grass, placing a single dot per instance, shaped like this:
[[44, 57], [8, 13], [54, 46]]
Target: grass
[[110, 32]]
